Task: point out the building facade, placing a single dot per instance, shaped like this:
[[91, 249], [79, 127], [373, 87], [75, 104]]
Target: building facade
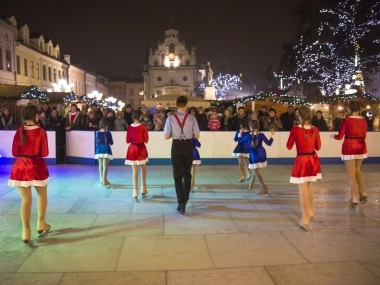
[[169, 66], [7, 52], [128, 90]]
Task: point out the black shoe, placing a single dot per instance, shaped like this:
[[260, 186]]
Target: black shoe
[[363, 199], [181, 208]]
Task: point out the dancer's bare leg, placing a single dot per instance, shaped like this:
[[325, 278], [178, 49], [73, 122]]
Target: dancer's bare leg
[[41, 207], [135, 169], [310, 200], [305, 221], [193, 172], [360, 179], [25, 211], [241, 168], [105, 171], [248, 170], [143, 179], [251, 184], [100, 161], [263, 186], [351, 172]]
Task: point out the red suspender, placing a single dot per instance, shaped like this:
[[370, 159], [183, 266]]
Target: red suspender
[[181, 125]]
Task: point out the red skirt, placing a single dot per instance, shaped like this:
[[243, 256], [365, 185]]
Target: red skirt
[[137, 154], [306, 168], [28, 172]]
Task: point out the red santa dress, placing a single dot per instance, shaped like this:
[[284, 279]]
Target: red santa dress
[[354, 130], [306, 167], [30, 168], [137, 137]]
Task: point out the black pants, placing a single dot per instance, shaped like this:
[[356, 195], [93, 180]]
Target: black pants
[[182, 161]]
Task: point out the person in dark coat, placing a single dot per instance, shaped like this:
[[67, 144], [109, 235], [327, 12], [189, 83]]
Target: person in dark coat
[[287, 119], [319, 122], [202, 119], [240, 116], [128, 114]]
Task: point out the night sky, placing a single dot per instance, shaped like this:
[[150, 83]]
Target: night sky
[[110, 37]]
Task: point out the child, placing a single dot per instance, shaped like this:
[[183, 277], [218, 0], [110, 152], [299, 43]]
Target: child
[[196, 160], [242, 150], [257, 155], [137, 154], [306, 167], [147, 122], [120, 122], [213, 123], [103, 152]]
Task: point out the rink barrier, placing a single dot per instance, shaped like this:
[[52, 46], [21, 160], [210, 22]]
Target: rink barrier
[[216, 148]]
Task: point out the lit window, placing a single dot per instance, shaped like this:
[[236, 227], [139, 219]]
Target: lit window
[[8, 60]]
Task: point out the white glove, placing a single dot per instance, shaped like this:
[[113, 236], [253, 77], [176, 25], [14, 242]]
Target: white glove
[[332, 136]]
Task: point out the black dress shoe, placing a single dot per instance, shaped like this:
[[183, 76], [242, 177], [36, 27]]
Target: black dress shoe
[[181, 208]]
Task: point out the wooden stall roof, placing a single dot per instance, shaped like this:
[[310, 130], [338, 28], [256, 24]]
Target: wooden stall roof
[[13, 91], [56, 96]]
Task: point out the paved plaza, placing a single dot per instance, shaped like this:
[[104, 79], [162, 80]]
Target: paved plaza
[[227, 236]]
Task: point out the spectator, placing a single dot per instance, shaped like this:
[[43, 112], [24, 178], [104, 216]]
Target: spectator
[[262, 114], [120, 122], [202, 119], [46, 108], [240, 116], [91, 122], [319, 122], [368, 119], [167, 114], [97, 112], [272, 122], [158, 118], [145, 111], [338, 120], [111, 119], [128, 114], [147, 122], [287, 119], [296, 117], [7, 120], [213, 122], [228, 121], [56, 123], [42, 121], [73, 119]]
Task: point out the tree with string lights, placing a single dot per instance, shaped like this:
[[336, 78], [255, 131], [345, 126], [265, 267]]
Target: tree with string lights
[[336, 41], [224, 83]]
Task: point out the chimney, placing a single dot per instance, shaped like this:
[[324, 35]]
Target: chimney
[[67, 58]]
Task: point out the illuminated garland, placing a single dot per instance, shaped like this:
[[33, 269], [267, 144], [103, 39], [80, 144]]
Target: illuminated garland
[[70, 97], [34, 93], [291, 99]]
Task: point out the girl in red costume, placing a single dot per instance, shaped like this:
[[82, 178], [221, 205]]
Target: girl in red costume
[[30, 145], [306, 167], [137, 154], [354, 150]]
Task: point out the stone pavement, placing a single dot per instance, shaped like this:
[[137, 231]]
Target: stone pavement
[[228, 235]]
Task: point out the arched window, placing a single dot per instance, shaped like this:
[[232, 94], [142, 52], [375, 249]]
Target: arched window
[[171, 48], [180, 58], [156, 63], [162, 58], [187, 63]]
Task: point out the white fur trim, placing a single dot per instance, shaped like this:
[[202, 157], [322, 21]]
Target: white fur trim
[[300, 180], [196, 162], [258, 165], [353, 156], [136, 162], [104, 155], [17, 183], [240, 154]]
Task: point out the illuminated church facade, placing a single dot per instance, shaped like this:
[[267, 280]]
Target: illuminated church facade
[[169, 67]]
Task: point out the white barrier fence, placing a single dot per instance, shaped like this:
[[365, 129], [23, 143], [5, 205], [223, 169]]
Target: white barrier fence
[[216, 148]]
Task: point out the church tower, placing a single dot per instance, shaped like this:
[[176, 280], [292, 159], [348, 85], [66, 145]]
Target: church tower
[[169, 67]]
